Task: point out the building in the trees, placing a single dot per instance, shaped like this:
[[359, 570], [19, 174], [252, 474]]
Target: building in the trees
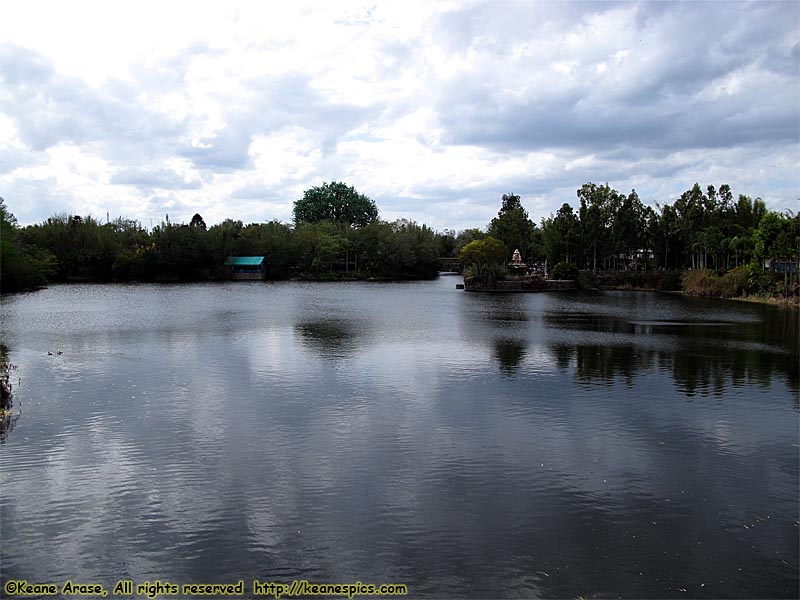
[[781, 265], [245, 267]]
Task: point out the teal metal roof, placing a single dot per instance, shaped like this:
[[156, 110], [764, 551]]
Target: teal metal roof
[[245, 261]]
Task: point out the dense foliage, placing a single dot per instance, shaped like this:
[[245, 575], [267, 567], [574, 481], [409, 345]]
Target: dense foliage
[[701, 230], [75, 248], [513, 227], [705, 231], [565, 271], [335, 202], [486, 251], [21, 267], [613, 231], [336, 233]]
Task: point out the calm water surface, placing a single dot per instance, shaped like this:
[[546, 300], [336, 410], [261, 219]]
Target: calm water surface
[[543, 445]]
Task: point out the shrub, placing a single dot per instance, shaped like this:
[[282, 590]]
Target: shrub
[[485, 251], [588, 280], [762, 282], [5, 381], [486, 273], [733, 283], [670, 281], [700, 282], [564, 271]]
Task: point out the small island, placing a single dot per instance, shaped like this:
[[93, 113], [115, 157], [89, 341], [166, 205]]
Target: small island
[[519, 277]]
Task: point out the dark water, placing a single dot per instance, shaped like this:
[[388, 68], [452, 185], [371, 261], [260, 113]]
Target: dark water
[[547, 445]]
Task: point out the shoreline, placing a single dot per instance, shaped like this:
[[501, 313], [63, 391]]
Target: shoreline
[[791, 302]]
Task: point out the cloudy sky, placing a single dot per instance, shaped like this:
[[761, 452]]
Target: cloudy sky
[[433, 109]]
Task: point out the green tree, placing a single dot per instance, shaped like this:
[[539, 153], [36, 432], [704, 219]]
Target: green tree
[[373, 246], [446, 243], [740, 244], [488, 251], [485, 259], [328, 252], [561, 235], [564, 271], [691, 209], [777, 238], [466, 236], [197, 221], [512, 225], [20, 267], [181, 252], [226, 239], [745, 218], [83, 247], [748, 213], [336, 202], [595, 214], [629, 227], [408, 250], [273, 240]]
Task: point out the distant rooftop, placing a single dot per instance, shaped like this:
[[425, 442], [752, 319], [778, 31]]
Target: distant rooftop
[[245, 261]]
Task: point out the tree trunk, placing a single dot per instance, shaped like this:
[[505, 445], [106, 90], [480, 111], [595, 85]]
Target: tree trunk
[[786, 278]]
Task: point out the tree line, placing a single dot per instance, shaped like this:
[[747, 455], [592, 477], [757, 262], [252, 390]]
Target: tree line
[[702, 230], [336, 232]]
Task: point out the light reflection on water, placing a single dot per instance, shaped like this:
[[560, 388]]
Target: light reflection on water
[[548, 445]]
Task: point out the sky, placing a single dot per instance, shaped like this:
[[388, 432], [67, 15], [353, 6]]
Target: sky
[[433, 109]]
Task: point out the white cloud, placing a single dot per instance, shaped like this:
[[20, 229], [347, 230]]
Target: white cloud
[[433, 109]]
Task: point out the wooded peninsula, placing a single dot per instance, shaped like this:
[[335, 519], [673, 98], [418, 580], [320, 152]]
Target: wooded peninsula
[[705, 242]]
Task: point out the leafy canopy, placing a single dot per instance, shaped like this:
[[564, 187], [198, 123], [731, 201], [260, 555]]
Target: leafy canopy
[[336, 202], [488, 251], [512, 225]]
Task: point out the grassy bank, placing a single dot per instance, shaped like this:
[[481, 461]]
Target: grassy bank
[[742, 283], [631, 280], [791, 301], [745, 284]]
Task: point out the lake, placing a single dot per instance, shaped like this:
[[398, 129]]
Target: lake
[[595, 444]]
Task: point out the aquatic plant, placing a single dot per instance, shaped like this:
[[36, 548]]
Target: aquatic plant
[[5, 381], [7, 417]]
